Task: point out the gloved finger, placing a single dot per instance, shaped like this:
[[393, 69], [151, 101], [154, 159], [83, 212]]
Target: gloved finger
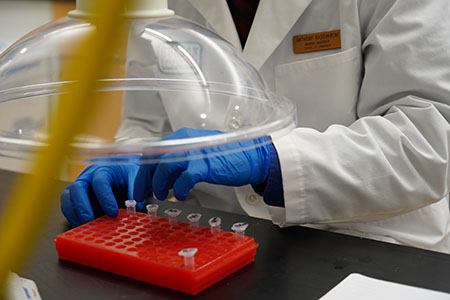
[[109, 160], [101, 184], [67, 208], [186, 132], [142, 182], [80, 201], [196, 171], [130, 183], [165, 176], [140, 205]]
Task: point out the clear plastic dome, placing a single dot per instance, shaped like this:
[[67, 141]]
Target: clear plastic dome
[[170, 74]]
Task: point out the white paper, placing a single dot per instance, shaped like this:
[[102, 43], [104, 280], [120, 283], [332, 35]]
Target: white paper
[[357, 286], [19, 288]]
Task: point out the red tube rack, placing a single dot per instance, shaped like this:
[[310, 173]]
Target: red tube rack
[[147, 249]]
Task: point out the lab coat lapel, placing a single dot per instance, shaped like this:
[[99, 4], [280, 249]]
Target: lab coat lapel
[[272, 22], [217, 14]]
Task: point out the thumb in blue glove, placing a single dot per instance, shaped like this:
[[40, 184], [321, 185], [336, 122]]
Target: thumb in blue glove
[[233, 164], [99, 189]]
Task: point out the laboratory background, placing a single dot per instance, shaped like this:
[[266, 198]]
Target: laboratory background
[[224, 149], [26, 17]]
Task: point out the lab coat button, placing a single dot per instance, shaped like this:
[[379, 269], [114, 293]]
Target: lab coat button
[[252, 199]]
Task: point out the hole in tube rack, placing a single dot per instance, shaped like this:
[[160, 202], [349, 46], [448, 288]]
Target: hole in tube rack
[[205, 257], [176, 258], [137, 244], [177, 245], [150, 249], [164, 258]]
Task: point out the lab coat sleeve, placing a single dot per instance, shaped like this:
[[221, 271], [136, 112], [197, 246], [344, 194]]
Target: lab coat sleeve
[[395, 158]]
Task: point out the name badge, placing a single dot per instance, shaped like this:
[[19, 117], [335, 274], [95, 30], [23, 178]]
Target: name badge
[[317, 41], [177, 58]]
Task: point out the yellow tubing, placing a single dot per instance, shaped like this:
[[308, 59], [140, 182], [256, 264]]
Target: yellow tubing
[[32, 196]]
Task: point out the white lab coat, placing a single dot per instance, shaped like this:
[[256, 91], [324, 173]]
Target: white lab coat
[[371, 154]]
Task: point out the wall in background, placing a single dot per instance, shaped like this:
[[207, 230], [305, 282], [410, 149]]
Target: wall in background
[[18, 18]]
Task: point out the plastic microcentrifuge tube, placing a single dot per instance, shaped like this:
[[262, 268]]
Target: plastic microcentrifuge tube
[[193, 219], [215, 222], [152, 210], [131, 206], [173, 214], [239, 229], [189, 257]]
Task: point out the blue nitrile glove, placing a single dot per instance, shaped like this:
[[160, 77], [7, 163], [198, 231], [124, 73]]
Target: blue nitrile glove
[[235, 168], [99, 189]]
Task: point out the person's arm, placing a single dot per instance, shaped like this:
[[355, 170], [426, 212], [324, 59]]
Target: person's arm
[[395, 158]]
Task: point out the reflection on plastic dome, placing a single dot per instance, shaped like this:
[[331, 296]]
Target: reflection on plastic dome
[[169, 74]]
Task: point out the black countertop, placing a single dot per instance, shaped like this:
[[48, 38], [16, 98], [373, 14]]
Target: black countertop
[[290, 263]]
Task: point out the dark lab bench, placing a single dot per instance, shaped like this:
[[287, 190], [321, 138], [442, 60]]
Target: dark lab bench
[[291, 263]]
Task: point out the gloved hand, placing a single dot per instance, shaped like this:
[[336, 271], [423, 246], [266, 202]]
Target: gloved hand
[[235, 168], [99, 189]]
